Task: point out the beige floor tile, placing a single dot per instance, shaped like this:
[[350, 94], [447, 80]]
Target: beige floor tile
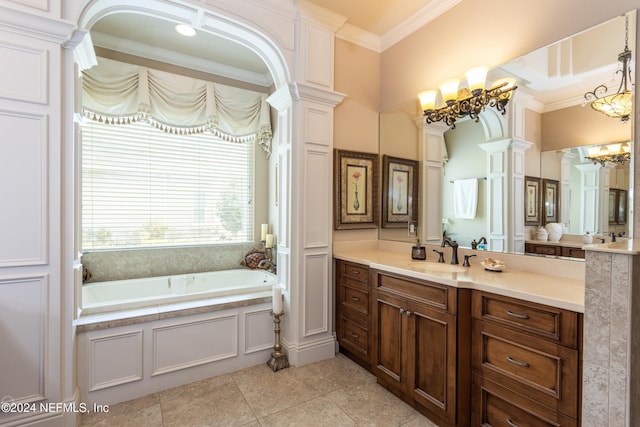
[[221, 406], [195, 389], [317, 412], [125, 408], [150, 416], [332, 374], [369, 404], [268, 392]]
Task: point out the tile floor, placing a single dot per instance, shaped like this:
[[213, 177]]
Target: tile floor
[[333, 392]]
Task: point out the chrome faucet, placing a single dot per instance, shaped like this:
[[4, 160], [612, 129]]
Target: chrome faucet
[[454, 249], [269, 265]]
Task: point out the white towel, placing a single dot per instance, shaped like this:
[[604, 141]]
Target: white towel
[[465, 198]]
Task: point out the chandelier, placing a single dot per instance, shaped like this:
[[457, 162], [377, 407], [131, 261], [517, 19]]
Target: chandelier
[[463, 102], [614, 153], [619, 104]]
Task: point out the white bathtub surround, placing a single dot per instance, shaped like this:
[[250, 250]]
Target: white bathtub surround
[[122, 358], [611, 363]]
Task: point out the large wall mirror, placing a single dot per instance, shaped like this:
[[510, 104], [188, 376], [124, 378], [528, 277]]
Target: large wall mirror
[[582, 195]]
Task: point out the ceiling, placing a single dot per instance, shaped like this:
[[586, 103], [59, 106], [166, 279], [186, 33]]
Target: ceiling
[[553, 74]]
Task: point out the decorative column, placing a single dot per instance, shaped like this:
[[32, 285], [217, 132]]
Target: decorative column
[[585, 210], [505, 194], [565, 157], [431, 173]]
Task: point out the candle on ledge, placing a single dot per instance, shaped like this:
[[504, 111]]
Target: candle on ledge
[[277, 299], [268, 241], [263, 232]]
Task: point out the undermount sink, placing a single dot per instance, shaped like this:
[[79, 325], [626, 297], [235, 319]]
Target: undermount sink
[[433, 267]]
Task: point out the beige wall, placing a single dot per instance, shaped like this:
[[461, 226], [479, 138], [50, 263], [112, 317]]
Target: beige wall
[[578, 126], [357, 74]]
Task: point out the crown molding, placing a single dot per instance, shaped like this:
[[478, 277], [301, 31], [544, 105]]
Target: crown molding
[[407, 27], [426, 14], [360, 37]]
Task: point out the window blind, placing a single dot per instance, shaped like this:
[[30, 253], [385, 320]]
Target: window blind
[[142, 187]]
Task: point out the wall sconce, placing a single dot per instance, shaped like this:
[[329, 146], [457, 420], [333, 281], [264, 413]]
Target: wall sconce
[[614, 153], [471, 101], [617, 105]]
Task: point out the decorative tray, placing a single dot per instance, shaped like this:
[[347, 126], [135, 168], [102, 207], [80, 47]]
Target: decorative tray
[[493, 265]]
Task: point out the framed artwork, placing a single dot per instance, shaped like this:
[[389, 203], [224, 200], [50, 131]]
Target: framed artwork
[[622, 206], [613, 206], [551, 199], [355, 190], [399, 192], [532, 201]]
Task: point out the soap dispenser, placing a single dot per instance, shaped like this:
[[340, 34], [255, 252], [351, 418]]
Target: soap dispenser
[[418, 252]]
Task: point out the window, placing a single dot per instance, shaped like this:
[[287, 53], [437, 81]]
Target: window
[[142, 187]]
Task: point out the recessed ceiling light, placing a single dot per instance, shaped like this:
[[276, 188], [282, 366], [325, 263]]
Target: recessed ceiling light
[[185, 30]]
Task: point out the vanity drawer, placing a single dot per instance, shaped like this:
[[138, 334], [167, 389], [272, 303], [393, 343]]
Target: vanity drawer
[[354, 298], [544, 372], [539, 320], [573, 252], [499, 407], [354, 336], [433, 294], [543, 249], [357, 272]]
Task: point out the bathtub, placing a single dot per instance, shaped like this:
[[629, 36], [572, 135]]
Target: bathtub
[[117, 295]]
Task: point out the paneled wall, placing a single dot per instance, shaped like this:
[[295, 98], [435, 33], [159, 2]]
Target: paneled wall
[[33, 333]]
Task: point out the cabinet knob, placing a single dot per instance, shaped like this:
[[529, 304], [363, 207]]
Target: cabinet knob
[[517, 315], [408, 313], [518, 363], [401, 310]]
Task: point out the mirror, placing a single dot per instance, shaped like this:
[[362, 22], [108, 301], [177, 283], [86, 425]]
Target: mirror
[[560, 128]]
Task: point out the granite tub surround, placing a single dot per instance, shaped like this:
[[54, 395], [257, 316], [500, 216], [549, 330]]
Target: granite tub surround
[[611, 364], [110, 265], [554, 282]]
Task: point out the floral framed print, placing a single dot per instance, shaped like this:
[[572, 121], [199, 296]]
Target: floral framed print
[[532, 201], [551, 200], [399, 192], [355, 191]]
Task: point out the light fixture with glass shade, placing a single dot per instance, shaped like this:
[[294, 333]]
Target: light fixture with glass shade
[[618, 153], [617, 105], [466, 101]]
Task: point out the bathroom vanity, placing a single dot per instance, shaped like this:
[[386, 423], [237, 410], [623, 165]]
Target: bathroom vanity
[[463, 345]]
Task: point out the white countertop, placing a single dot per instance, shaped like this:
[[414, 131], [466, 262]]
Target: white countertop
[[561, 292]]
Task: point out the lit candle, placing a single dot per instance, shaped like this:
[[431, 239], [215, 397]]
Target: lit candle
[[268, 242], [277, 299], [263, 232]]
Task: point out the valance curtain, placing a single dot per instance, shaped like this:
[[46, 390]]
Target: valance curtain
[[117, 92]]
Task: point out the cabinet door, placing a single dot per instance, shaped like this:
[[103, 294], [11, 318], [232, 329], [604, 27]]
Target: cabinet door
[[389, 339], [432, 358]]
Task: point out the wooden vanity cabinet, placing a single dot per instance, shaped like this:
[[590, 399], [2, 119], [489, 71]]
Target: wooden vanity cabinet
[[525, 362], [353, 312], [416, 351]]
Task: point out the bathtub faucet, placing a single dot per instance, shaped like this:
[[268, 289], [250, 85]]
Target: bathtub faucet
[[269, 265]]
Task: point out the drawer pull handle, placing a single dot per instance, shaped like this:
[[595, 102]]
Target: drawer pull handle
[[517, 315], [356, 272], [516, 362], [511, 423], [355, 299], [354, 335]]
